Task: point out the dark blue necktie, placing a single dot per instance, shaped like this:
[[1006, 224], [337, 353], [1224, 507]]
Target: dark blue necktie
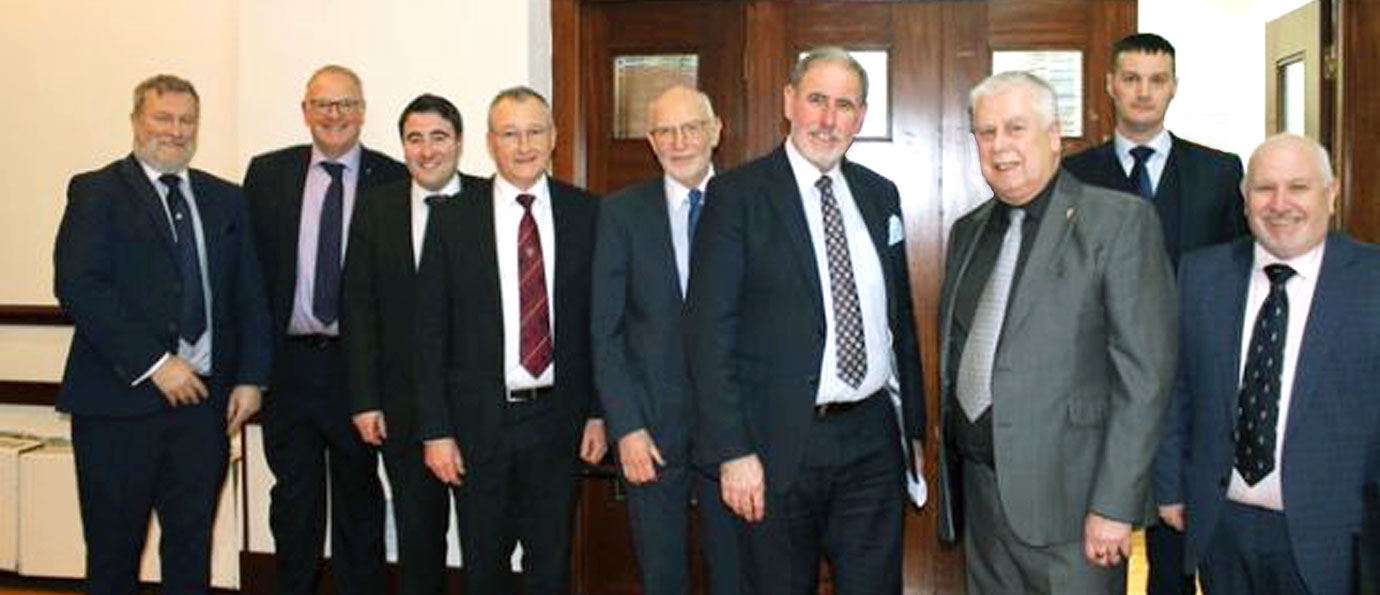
[[193, 297], [696, 201], [325, 299], [1140, 175], [1257, 407]]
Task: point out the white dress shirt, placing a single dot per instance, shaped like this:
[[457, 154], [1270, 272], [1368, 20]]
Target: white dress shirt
[[198, 356], [1154, 165], [507, 216], [303, 322], [678, 211], [867, 276], [1267, 493], [421, 211]]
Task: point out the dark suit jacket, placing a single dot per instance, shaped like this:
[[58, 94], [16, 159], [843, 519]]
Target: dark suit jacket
[[1082, 372], [1368, 562], [117, 276], [755, 315], [636, 328], [460, 338], [274, 183], [378, 317], [1198, 198], [1334, 415]]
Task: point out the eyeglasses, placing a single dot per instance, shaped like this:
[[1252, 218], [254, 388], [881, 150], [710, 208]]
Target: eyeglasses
[[694, 129], [513, 137], [344, 106]]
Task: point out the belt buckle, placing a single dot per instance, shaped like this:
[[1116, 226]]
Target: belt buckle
[[522, 395]]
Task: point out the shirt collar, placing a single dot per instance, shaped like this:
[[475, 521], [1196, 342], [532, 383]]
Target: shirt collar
[[678, 194], [154, 175], [420, 194], [1161, 143], [350, 159], [1307, 265], [806, 174], [506, 192]]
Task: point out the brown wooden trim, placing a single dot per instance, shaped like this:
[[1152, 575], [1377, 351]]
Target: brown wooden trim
[[33, 314], [22, 392], [567, 101]]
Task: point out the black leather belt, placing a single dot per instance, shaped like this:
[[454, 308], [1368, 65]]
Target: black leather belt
[[834, 408], [317, 341], [528, 395]]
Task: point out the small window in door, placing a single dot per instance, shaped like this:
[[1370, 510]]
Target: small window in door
[[637, 80], [1062, 69], [1293, 96]]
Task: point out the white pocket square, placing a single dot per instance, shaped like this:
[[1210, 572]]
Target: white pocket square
[[896, 233]]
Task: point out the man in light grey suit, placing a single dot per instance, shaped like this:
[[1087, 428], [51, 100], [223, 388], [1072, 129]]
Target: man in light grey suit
[[1057, 353]]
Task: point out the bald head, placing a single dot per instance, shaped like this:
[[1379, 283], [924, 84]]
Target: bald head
[[683, 132], [1290, 194]]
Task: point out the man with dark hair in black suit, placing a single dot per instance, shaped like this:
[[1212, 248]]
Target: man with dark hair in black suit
[[379, 323], [1196, 193], [155, 264], [1195, 189], [302, 199], [641, 265], [506, 390]]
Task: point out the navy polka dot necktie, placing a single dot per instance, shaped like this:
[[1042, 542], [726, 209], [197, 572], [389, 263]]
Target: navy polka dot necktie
[[1257, 407]]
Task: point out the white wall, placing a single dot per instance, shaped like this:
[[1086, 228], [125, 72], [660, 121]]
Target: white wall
[[1220, 47], [69, 69]]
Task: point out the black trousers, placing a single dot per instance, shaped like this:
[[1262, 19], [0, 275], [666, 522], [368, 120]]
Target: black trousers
[[846, 505], [421, 513], [172, 463], [308, 435], [1250, 555], [524, 492], [658, 514], [1164, 550]]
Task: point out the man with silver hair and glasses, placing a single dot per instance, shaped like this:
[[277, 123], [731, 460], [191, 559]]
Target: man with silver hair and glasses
[[1274, 410], [1057, 350], [641, 265], [155, 264], [802, 347]]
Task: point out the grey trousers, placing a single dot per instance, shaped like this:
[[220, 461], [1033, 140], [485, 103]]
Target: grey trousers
[[999, 562]]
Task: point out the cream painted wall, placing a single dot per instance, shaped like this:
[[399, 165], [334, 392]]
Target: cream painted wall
[[69, 68], [1220, 46]]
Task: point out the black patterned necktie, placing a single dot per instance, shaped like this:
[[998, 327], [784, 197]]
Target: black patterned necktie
[[1257, 407], [1140, 174], [188, 260], [848, 330], [325, 300]]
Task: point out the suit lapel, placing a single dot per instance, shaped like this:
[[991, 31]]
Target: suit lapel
[[964, 248], [1227, 299], [1169, 196], [289, 220], [213, 226], [785, 199], [873, 214], [657, 216], [1327, 322], [149, 201], [1043, 265], [477, 237]]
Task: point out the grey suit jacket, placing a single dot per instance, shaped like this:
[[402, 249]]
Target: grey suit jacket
[[1083, 367]]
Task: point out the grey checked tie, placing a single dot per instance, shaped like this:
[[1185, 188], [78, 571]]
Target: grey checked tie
[[848, 330], [975, 368]]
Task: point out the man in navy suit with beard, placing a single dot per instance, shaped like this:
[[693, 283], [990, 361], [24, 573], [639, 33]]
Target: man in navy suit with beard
[[155, 264]]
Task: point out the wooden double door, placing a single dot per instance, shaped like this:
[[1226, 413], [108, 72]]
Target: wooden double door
[[933, 53]]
